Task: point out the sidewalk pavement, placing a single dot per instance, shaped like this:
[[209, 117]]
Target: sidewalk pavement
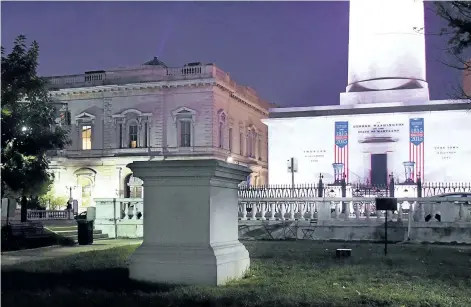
[[51, 252]]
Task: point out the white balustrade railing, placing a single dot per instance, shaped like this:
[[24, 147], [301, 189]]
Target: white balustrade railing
[[119, 209], [450, 209], [132, 76], [154, 74], [37, 215]]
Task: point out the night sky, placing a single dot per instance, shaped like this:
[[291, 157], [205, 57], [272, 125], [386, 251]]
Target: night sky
[[292, 53]]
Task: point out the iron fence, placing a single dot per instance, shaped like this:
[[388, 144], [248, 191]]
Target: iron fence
[[367, 190], [426, 189], [281, 191], [437, 188]]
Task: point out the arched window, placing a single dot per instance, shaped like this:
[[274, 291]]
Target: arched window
[[86, 183], [133, 186]]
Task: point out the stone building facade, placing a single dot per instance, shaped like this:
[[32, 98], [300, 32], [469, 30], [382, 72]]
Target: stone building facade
[[153, 112]]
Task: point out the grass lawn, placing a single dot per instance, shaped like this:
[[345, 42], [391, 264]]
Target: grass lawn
[[283, 273]]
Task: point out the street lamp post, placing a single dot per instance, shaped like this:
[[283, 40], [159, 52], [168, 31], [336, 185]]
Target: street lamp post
[[408, 167], [71, 199], [338, 172]]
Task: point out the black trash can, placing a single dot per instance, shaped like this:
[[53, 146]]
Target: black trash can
[[85, 232]]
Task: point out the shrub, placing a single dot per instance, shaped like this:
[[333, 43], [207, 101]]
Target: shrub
[[55, 202]]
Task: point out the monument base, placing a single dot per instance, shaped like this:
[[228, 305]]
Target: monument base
[[190, 223], [212, 265], [407, 96]]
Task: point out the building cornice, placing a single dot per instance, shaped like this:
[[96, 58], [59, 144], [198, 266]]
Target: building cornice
[[133, 86], [233, 94], [431, 106], [115, 90]]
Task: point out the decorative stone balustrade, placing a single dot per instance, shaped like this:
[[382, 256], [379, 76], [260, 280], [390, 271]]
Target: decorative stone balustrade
[[38, 215], [119, 209], [350, 218], [127, 76], [120, 217], [450, 209]]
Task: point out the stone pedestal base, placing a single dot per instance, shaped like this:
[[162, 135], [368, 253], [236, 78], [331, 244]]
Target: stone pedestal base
[[190, 223], [190, 265]]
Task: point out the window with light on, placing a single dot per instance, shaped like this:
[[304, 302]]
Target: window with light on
[[86, 137]]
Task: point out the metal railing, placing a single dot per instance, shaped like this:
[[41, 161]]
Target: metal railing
[[426, 189]]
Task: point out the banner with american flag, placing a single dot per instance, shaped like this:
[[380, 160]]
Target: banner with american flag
[[416, 146], [341, 146]]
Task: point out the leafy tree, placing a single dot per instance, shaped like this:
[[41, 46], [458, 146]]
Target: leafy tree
[[55, 202], [28, 124], [457, 14]]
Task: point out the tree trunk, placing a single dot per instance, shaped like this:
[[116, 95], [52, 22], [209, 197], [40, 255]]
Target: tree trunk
[[24, 209]]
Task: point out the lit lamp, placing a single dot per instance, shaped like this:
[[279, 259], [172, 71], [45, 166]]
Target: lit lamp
[[71, 198], [408, 167], [338, 171]]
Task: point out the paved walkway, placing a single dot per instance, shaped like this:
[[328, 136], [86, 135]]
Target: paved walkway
[[51, 252]]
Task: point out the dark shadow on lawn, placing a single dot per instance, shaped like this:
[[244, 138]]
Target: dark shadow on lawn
[[113, 280], [31, 237]]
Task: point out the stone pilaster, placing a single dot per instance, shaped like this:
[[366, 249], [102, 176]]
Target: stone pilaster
[[157, 139], [108, 130]]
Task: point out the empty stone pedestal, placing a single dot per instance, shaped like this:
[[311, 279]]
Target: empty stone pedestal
[[190, 223]]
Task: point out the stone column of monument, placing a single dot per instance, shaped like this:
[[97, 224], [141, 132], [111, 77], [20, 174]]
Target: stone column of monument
[[386, 52], [190, 223]]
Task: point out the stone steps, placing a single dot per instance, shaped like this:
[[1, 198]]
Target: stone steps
[[71, 232]]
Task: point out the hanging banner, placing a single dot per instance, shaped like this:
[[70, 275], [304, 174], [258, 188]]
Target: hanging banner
[[341, 146], [416, 146]]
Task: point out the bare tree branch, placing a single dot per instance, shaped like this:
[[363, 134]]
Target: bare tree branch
[[457, 14]]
